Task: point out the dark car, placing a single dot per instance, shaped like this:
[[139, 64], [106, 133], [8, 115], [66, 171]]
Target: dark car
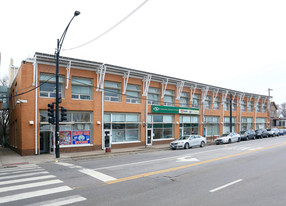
[[246, 135], [261, 133]]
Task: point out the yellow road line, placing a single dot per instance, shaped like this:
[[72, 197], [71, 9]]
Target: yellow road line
[[187, 166]]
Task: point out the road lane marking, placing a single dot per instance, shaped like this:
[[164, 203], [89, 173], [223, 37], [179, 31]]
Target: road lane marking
[[97, 175], [60, 201], [23, 175], [38, 193], [226, 185], [189, 165], [17, 172], [27, 179], [187, 159], [29, 185], [155, 160]]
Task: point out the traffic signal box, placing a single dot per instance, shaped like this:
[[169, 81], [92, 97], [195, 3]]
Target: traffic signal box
[[51, 113]]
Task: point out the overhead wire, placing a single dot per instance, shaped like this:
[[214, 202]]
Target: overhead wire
[[110, 29]]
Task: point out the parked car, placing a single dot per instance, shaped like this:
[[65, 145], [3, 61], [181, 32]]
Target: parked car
[[281, 132], [228, 138], [188, 141], [246, 135], [261, 133], [273, 132]]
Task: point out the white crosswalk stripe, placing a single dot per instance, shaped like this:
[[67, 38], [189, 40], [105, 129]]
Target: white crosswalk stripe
[[26, 182]]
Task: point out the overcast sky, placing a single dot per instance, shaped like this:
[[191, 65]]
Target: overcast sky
[[240, 45]]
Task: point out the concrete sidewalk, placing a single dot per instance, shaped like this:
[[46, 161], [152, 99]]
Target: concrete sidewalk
[[9, 158]]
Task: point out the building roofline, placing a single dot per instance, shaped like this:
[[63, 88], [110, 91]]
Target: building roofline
[[92, 65]]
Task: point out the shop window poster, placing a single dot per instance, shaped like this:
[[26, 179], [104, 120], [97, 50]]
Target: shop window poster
[[65, 138], [81, 137]]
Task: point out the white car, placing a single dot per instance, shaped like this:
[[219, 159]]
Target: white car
[[188, 141], [228, 138]]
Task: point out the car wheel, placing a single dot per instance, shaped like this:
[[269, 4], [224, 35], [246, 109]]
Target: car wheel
[[217, 143], [173, 148], [202, 144], [187, 146], [229, 140]]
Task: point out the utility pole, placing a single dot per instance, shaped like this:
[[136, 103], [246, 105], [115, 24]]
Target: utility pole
[[269, 90], [230, 112]]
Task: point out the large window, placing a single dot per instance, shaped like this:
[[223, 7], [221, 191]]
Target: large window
[[112, 91], [234, 105], [162, 126], [250, 107], [260, 123], [77, 133], [189, 125], [184, 99], [48, 85], [124, 127], [264, 107], [207, 102], [211, 126], [226, 124], [246, 123], [196, 101], [243, 106], [154, 96], [169, 98], [226, 105], [217, 103], [82, 88], [133, 94], [258, 107]]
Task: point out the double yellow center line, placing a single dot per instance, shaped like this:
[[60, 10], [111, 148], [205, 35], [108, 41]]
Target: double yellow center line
[[187, 166]]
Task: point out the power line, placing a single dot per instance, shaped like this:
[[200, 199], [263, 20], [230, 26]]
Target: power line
[[110, 29]]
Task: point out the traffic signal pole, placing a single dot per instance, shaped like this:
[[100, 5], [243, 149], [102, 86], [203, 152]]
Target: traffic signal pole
[[57, 101], [59, 46]]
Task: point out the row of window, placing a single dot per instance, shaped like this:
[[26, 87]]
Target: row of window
[[82, 88]]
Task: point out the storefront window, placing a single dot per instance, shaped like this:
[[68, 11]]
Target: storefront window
[[125, 127], [246, 123], [162, 126], [77, 133], [217, 103], [260, 123], [226, 125], [189, 125], [211, 126]]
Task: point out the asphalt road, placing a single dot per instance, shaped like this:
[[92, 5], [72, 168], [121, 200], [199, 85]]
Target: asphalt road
[[246, 173]]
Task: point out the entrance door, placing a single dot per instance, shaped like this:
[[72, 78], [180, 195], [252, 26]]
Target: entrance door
[[107, 138], [44, 142], [149, 137]]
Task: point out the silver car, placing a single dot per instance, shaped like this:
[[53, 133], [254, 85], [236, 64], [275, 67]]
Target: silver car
[[228, 138], [188, 141]]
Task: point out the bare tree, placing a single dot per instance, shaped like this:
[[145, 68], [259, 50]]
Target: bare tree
[[282, 109], [4, 117]]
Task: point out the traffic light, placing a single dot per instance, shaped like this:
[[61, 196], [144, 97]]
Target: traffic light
[[63, 114], [51, 111]]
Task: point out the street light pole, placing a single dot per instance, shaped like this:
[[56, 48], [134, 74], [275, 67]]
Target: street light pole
[[59, 46], [230, 113]]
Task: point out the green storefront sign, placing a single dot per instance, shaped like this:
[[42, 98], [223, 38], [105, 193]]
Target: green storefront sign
[[174, 110]]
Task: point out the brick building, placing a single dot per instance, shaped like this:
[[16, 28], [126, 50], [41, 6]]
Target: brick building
[[129, 106]]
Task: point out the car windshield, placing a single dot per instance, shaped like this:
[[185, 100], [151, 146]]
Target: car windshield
[[268, 129], [184, 137], [224, 135], [242, 132]]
